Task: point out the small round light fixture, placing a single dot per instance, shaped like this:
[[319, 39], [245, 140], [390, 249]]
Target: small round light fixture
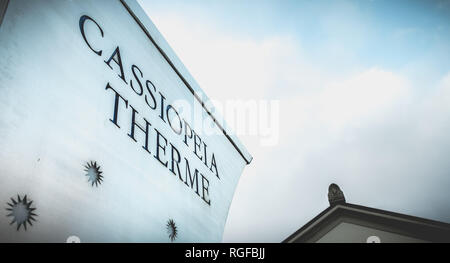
[[93, 172], [73, 239], [21, 212], [172, 230]]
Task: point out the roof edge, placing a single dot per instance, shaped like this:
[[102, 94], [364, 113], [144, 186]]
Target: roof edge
[[310, 225]]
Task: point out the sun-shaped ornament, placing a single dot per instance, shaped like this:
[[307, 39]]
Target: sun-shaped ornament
[[172, 230], [21, 212], [93, 172]]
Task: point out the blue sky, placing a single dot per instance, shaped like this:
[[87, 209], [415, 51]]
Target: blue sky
[[364, 93], [390, 34]]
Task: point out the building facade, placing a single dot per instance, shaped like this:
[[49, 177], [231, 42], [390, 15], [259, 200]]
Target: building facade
[[104, 134], [343, 222]]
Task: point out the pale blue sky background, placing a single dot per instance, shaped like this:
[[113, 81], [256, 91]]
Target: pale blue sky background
[[364, 91]]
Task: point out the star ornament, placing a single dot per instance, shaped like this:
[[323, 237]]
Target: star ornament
[[21, 212], [172, 230], [94, 173]]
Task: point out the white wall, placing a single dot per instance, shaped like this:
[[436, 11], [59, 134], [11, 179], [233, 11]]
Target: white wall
[[349, 232], [54, 117]]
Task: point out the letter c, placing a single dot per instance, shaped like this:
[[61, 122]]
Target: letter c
[[83, 19]]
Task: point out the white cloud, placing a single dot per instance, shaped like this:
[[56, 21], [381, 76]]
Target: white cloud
[[229, 67], [371, 131]]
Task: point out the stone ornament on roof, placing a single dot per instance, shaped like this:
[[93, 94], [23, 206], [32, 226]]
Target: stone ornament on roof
[[335, 195]]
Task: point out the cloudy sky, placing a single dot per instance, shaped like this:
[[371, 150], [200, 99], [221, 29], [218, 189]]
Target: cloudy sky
[[364, 101]]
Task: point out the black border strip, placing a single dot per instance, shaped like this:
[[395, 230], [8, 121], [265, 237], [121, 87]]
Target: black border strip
[[182, 78]]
